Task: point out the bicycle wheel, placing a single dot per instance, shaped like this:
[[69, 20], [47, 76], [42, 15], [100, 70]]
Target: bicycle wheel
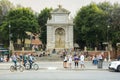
[[35, 66], [21, 68], [27, 66], [12, 68]]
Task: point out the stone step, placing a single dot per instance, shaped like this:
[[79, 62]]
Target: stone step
[[53, 57]]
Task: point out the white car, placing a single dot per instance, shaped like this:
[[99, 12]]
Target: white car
[[114, 65]]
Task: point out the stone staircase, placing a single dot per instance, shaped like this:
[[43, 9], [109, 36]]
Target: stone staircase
[[52, 57]]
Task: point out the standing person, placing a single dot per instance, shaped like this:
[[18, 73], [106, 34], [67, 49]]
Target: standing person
[[95, 60], [76, 60], [82, 58], [100, 61], [7, 57], [65, 62], [70, 60]]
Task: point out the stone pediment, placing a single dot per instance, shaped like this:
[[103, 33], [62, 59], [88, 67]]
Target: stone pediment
[[60, 10]]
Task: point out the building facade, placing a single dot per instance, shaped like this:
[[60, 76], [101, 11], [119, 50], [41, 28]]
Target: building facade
[[60, 30]]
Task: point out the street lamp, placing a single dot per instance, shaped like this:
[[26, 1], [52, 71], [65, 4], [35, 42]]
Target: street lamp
[[108, 43], [107, 34], [96, 36], [108, 37], [9, 38]]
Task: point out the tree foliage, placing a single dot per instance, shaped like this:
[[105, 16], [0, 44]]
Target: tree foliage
[[115, 25], [91, 24], [5, 7], [88, 23], [42, 19], [21, 21], [112, 20]]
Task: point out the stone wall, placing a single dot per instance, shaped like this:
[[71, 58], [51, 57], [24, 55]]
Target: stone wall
[[118, 52], [113, 54]]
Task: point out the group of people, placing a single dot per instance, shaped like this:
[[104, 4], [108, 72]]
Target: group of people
[[76, 58], [23, 59], [4, 58], [97, 58]]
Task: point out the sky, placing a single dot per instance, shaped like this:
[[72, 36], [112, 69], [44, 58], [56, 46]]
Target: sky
[[72, 5]]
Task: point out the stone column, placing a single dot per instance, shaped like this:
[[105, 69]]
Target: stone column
[[95, 48], [85, 48], [109, 56], [22, 48], [109, 49]]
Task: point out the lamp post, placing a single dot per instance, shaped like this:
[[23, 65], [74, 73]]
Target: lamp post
[[96, 36], [108, 43], [9, 38], [108, 34]]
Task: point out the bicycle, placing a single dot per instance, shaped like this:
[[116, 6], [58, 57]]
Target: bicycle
[[17, 67], [34, 66]]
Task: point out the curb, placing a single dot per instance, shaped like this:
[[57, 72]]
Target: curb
[[81, 69], [67, 69]]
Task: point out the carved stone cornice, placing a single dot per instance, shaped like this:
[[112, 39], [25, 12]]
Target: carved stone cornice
[[59, 24]]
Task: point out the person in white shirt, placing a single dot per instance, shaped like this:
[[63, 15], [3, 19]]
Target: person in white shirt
[[15, 58], [70, 60], [65, 62], [82, 58]]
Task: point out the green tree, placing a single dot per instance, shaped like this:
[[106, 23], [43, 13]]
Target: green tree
[[107, 8], [5, 6], [21, 21], [88, 26], [113, 20], [42, 19], [115, 25]]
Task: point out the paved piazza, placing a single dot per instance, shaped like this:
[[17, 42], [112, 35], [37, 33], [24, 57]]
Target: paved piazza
[[59, 75]]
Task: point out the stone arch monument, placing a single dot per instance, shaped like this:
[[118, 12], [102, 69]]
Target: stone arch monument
[[60, 30]]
